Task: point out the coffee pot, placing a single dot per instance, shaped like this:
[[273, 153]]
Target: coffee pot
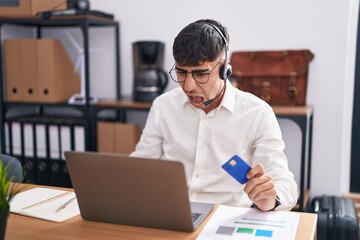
[[150, 80]]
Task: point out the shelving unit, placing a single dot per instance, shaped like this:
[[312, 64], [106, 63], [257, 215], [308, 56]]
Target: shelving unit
[[82, 113]]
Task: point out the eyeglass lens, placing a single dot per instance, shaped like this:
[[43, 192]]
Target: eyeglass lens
[[199, 76], [180, 76]]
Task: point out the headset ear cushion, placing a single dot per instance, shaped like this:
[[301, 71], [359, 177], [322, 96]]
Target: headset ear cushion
[[221, 72], [229, 72]]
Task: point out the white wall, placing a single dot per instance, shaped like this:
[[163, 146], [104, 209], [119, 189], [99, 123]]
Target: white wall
[[327, 28]]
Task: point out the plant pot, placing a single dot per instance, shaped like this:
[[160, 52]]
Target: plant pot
[[3, 220]]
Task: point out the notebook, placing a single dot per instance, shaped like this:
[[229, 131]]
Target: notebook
[[133, 191], [45, 203]]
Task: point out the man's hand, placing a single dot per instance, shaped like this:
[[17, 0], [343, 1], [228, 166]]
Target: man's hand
[[260, 188]]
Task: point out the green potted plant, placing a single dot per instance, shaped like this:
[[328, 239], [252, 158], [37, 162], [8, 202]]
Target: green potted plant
[[7, 191]]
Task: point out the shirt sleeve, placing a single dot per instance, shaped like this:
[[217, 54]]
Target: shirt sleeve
[[151, 140], [268, 149]]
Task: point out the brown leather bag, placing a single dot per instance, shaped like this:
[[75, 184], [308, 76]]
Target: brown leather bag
[[278, 77]]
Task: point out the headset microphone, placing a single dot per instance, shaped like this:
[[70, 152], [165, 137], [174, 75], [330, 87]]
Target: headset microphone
[[208, 102]]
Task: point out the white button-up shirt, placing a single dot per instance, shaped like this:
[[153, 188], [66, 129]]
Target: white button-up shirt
[[242, 124]]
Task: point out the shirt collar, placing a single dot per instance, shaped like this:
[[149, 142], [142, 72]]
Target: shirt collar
[[228, 100]]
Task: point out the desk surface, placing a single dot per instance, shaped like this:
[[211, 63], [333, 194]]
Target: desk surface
[[22, 227], [123, 103]]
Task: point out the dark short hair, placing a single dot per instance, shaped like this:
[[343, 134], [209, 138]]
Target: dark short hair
[[199, 42]]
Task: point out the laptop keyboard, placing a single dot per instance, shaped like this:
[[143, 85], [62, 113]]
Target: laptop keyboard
[[195, 216]]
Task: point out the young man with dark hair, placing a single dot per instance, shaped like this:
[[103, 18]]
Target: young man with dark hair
[[206, 121]]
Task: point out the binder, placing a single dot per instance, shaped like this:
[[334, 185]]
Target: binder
[[79, 132], [60, 139], [30, 153], [40, 148], [14, 88], [65, 146], [57, 79], [77, 143], [40, 140], [15, 135], [65, 140], [29, 70], [28, 137], [43, 164], [7, 138], [55, 156], [54, 142]]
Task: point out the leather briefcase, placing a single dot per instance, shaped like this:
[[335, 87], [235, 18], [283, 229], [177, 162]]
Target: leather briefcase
[[278, 77]]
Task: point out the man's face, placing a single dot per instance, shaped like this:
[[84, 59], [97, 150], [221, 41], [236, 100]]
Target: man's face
[[198, 92]]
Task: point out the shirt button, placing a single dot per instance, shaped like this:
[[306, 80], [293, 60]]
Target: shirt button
[[197, 175]]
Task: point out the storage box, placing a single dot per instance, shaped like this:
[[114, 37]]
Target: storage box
[[27, 8], [118, 137], [29, 70], [14, 88], [106, 137], [57, 77], [39, 70]]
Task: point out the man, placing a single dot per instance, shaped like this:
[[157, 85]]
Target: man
[[207, 121]]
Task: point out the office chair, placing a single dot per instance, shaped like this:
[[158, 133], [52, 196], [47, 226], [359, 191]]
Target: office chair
[[15, 168]]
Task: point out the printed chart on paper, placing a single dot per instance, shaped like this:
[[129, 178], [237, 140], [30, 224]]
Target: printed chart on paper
[[250, 224]]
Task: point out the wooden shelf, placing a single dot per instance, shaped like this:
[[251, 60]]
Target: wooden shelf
[[123, 103]]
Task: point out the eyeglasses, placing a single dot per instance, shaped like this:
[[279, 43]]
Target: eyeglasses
[[200, 76]]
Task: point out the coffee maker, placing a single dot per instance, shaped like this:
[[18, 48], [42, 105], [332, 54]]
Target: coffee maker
[[150, 80]]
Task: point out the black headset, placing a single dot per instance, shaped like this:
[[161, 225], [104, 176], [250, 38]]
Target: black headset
[[225, 70]]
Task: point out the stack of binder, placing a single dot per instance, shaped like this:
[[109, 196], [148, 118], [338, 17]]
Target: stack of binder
[[40, 142]]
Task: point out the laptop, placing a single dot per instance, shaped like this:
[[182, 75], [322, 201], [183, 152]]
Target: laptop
[[119, 189]]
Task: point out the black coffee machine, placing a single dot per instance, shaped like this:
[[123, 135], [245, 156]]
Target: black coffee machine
[[150, 79]]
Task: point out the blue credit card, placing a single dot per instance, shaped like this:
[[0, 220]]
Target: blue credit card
[[237, 168]]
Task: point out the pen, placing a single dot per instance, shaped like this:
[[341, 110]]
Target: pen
[[65, 205]]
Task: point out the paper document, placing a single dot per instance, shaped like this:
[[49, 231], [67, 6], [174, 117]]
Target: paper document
[[43, 203], [250, 224]]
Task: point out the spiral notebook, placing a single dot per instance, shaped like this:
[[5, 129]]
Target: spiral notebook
[[45, 203]]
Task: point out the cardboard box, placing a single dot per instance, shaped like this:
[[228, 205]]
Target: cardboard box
[[106, 137], [118, 137], [40, 69], [27, 8]]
